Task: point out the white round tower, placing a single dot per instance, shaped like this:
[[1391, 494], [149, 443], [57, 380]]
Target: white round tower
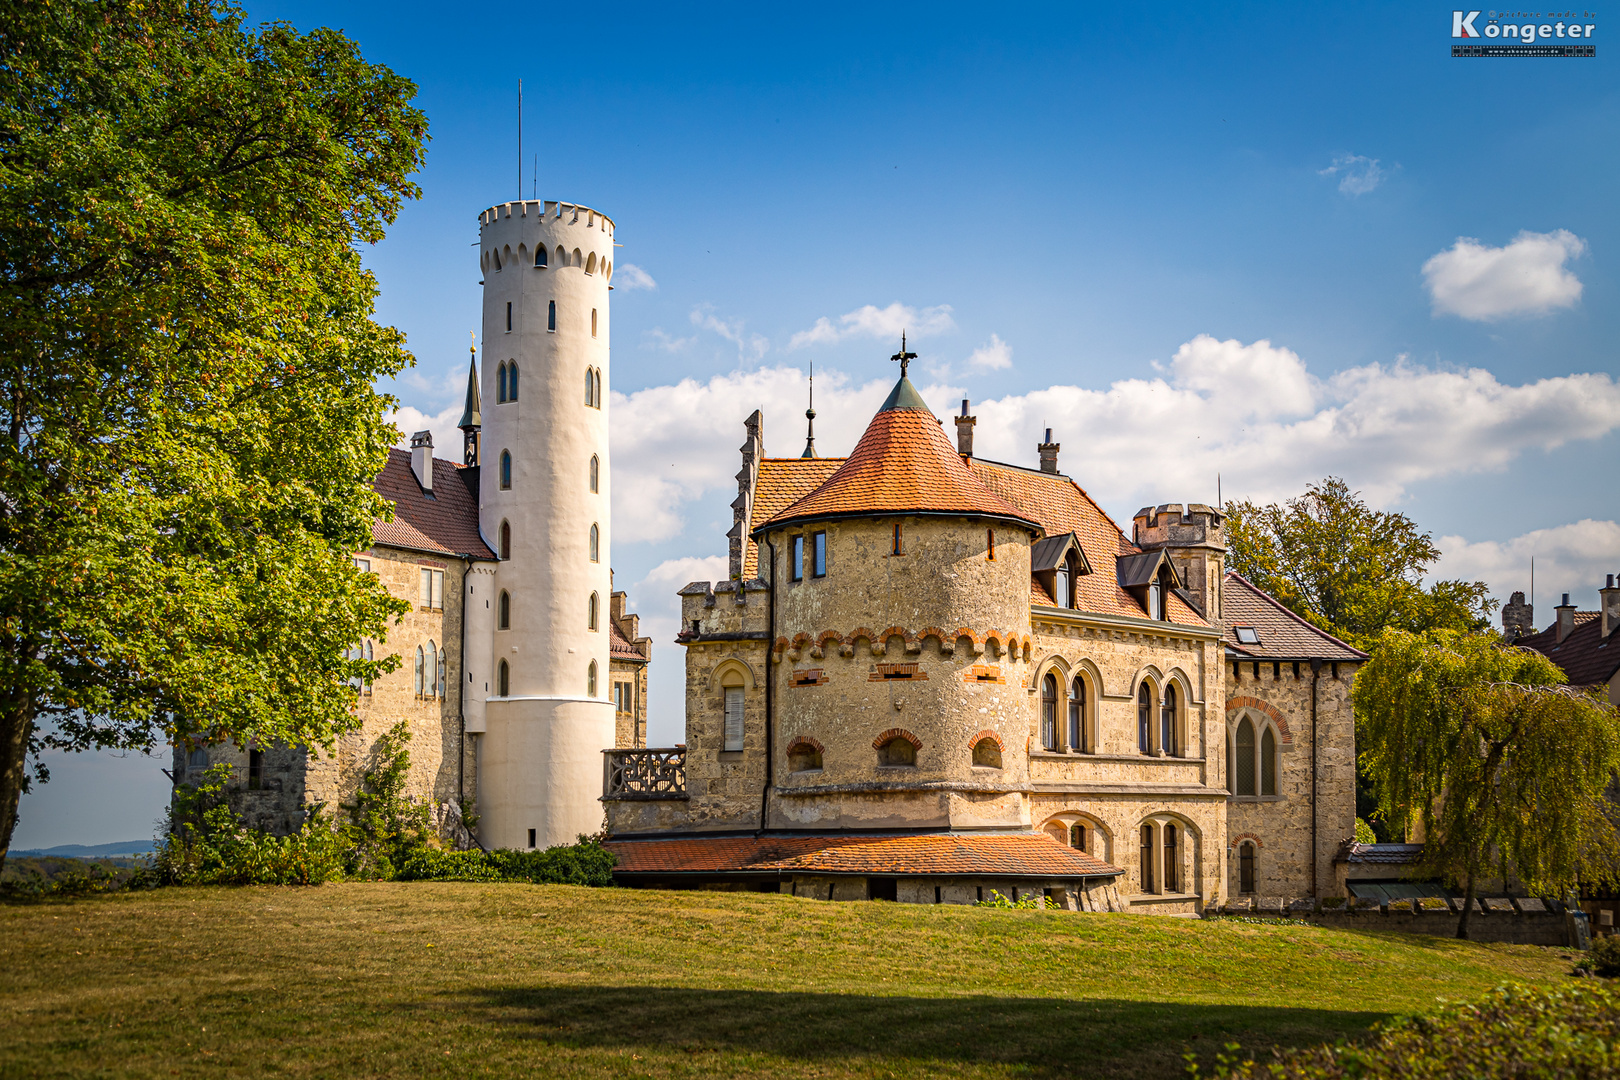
[[544, 508]]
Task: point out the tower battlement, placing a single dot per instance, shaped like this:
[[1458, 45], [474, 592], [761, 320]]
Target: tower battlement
[[1194, 536], [545, 235]]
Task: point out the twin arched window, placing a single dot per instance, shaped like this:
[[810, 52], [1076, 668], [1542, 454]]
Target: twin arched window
[[1251, 763], [1160, 875], [506, 469], [596, 543], [1078, 735], [1168, 733], [504, 620], [429, 673], [596, 474], [593, 384], [506, 382]]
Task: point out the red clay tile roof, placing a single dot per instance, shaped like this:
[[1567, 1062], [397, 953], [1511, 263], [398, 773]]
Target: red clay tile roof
[[781, 481], [903, 464], [1062, 506], [621, 647], [1585, 657], [446, 524], [1283, 635], [1027, 855]]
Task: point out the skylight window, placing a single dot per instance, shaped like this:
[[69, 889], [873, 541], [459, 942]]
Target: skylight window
[[1246, 635]]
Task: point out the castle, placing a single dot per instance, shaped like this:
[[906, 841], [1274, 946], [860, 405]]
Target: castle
[[927, 677]]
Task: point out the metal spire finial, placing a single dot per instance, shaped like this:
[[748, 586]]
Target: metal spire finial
[[810, 418], [904, 357]]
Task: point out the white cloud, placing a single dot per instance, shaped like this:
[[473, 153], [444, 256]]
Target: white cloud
[[1251, 412], [750, 347], [446, 436], [875, 322], [1357, 175], [994, 355], [1571, 558], [1527, 277], [631, 276], [659, 338]]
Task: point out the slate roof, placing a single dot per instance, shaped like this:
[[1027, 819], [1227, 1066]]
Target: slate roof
[[445, 523], [1587, 659], [1283, 635], [903, 464], [1017, 855]]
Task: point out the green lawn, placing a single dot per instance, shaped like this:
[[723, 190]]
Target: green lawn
[[462, 980]]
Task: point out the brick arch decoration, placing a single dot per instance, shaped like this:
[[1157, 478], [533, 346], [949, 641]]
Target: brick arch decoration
[[987, 734], [947, 642], [1267, 709], [805, 740], [1009, 644], [896, 733], [1250, 837]]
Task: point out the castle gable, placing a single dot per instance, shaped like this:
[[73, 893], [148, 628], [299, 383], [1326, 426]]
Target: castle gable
[[1281, 634], [444, 522]]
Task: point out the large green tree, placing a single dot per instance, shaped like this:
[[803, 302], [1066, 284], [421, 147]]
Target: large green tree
[[187, 361], [1504, 767], [1349, 569]]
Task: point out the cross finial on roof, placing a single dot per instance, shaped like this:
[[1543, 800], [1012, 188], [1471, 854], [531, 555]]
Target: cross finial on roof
[[904, 357]]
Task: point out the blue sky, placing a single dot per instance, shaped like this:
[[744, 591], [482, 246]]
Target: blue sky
[[1193, 240]]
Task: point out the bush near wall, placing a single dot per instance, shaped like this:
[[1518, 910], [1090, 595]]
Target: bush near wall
[[584, 863], [1514, 1032]]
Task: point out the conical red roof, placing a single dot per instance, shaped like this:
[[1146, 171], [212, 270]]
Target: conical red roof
[[904, 464]]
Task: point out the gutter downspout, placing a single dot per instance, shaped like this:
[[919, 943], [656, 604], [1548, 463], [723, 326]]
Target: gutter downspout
[[770, 682], [1316, 854], [461, 707]]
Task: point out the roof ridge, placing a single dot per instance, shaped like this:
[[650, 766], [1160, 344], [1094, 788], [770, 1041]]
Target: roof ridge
[[1084, 494], [1268, 598]]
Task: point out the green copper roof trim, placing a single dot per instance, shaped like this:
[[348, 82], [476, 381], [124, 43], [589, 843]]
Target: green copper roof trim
[[905, 396]]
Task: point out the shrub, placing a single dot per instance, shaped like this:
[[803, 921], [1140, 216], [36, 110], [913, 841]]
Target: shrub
[[1033, 902], [207, 844], [584, 863], [1513, 1032], [1605, 957], [1364, 833], [386, 827]]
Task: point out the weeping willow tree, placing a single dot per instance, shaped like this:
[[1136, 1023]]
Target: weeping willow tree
[[1503, 766]]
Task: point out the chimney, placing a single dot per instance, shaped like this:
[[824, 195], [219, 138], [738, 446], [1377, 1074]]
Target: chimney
[[1609, 607], [964, 431], [1049, 451], [1518, 618], [422, 458], [1566, 619]]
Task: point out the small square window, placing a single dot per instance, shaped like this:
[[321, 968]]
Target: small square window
[[1246, 635]]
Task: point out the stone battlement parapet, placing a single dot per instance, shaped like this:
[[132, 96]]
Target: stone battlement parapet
[[1177, 526]]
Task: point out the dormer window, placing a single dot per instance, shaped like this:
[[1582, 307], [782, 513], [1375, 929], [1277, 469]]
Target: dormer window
[[1246, 635], [1058, 563], [1148, 577], [1062, 595], [1155, 601]]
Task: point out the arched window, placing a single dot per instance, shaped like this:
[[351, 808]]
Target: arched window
[[579, 260], [430, 671], [562, 256], [551, 316], [596, 474], [1147, 859], [803, 756], [1268, 763], [1167, 721], [500, 384], [1144, 718], [990, 545], [731, 692], [593, 322], [590, 387], [598, 384], [444, 670], [417, 679], [503, 680], [1077, 837], [505, 610], [506, 469], [590, 263], [1172, 866], [590, 680], [596, 540], [1246, 867], [898, 752], [511, 380], [1077, 718], [497, 262], [506, 540], [540, 257], [986, 754], [1049, 707], [1243, 759], [590, 612]]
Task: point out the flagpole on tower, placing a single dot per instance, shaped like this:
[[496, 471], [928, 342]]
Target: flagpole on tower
[[520, 140]]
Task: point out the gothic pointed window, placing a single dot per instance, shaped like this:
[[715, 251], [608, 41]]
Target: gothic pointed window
[[1167, 721], [551, 317], [590, 387], [503, 680], [1147, 859], [506, 540], [596, 474], [444, 670], [500, 384], [591, 612], [590, 679], [540, 257], [1243, 759], [416, 681], [1077, 718], [430, 671], [1172, 876], [1268, 762], [505, 622], [1246, 867], [1144, 718], [1049, 708], [506, 470], [596, 543]]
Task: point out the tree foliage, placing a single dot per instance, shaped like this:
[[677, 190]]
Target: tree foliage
[[1349, 569], [1504, 767], [187, 360]]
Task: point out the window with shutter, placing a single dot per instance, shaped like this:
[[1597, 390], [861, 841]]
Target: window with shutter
[[734, 718]]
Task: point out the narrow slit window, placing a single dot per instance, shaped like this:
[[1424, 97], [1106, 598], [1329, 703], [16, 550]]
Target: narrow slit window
[[591, 612], [505, 622], [503, 680], [551, 316], [818, 555], [897, 548], [596, 474], [596, 544], [509, 316], [506, 470], [590, 679], [255, 769], [990, 544], [593, 322], [734, 719], [506, 540], [796, 559]]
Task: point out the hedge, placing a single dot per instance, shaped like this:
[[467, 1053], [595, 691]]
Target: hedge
[[584, 863], [1572, 1032]]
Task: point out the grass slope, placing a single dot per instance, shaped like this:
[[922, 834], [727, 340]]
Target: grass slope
[[461, 980]]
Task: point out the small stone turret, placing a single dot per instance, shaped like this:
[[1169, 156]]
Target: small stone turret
[[1518, 618], [964, 431], [1195, 538], [1049, 452]]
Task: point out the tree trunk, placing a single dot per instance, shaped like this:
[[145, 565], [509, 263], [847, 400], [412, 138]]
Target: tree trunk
[[1468, 906], [16, 725]]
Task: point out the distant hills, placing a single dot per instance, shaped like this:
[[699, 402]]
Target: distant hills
[[92, 851]]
